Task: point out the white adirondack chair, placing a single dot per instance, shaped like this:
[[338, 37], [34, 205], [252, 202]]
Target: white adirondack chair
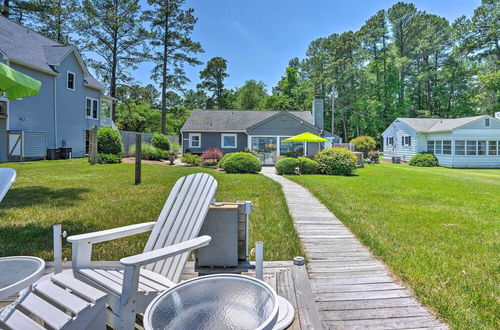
[[7, 178], [159, 267], [60, 302]]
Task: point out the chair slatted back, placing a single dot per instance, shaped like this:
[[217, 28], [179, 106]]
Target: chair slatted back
[[7, 178], [180, 220]]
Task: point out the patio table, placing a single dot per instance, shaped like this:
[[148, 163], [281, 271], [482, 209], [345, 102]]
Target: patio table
[[221, 301], [18, 273]]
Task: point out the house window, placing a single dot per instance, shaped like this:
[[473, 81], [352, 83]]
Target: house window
[[430, 146], [390, 141], [492, 148], [70, 81], [91, 108], [460, 147], [487, 122], [3, 109], [406, 140], [437, 147], [481, 147], [471, 148], [87, 142], [228, 141], [447, 147], [194, 140]]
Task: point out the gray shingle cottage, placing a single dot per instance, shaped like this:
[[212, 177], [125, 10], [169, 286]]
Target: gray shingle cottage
[[470, 142], [261, 131], [67, 106]]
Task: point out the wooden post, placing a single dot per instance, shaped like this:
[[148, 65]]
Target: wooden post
[[138, 156], [93, 157]]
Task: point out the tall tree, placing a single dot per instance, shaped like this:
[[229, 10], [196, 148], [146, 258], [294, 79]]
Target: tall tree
[[212, 80], [55, 19], [112, 29], [403, 19], [172, 26], [250, 95]]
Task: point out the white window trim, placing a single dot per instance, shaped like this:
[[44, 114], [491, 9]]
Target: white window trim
[[191, 140], [405, 137], [229, 135], [91, 109], [67, 79]]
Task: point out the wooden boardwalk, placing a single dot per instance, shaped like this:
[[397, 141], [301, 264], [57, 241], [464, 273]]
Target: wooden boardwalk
[[351, 287]]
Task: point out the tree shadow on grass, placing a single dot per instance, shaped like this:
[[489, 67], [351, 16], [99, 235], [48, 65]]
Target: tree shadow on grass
[[36, 239], [38, 195]]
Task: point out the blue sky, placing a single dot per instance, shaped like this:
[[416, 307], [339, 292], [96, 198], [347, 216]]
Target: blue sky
[[259, 37]]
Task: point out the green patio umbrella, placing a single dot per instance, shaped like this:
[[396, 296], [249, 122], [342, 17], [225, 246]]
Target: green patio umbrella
[[305, 137], [17, 84]]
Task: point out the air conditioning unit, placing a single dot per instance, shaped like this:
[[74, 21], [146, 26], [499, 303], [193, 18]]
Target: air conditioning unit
[[396, 160], [227, 224]]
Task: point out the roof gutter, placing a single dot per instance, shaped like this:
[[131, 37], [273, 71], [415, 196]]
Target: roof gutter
[[12, 60]]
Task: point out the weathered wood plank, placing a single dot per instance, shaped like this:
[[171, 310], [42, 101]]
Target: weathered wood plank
[[308, 312], [355, 287], [375, 313], [351, 305], [386, 294], [391, 323]]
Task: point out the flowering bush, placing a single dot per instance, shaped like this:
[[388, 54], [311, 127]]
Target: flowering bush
[[212, 153]]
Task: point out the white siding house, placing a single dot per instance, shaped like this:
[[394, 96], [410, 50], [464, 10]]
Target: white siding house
[[472, 142]]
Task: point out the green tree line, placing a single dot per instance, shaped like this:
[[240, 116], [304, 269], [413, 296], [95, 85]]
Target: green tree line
[[403, 62]]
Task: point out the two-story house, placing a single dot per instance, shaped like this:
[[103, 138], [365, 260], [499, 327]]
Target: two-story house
[[67, 106]]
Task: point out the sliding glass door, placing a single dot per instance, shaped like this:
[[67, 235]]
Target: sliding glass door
[[265, 148]]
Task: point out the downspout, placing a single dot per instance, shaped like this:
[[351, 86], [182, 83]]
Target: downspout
[[55, 112]]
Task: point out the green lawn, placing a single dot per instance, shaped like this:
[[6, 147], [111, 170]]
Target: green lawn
[[87, 198], [437, 229]]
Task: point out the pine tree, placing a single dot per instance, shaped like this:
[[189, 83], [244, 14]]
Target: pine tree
[[112, 29], [171, 26], [212, 80]]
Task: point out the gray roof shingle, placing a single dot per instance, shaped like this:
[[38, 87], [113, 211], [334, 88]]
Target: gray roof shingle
[[233, 120], [26, 46], [430, 125]]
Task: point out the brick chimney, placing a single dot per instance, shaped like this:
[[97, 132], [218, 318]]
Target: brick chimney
[[318, 112]]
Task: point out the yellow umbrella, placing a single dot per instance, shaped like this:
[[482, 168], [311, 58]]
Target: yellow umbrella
[[305, 137], [16, 84]]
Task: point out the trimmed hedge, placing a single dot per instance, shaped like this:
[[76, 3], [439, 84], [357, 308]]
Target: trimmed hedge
[[160, 141], [241, 162], [109, 159], [287, 165], [336, 161], [424, 159], [224, 158], [109, 141], [308, 166]]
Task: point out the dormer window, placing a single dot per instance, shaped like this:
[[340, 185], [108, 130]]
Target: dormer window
[[70, 81], [487, 122]]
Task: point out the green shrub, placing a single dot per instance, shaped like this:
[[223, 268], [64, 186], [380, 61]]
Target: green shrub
[[242, 162], [148, 152], [160, 141], [224, 158], [308, 166], [424, 159], [191, 159], [109, 159], [287, 165], [109, 141], [364, 144], [336, 161]]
